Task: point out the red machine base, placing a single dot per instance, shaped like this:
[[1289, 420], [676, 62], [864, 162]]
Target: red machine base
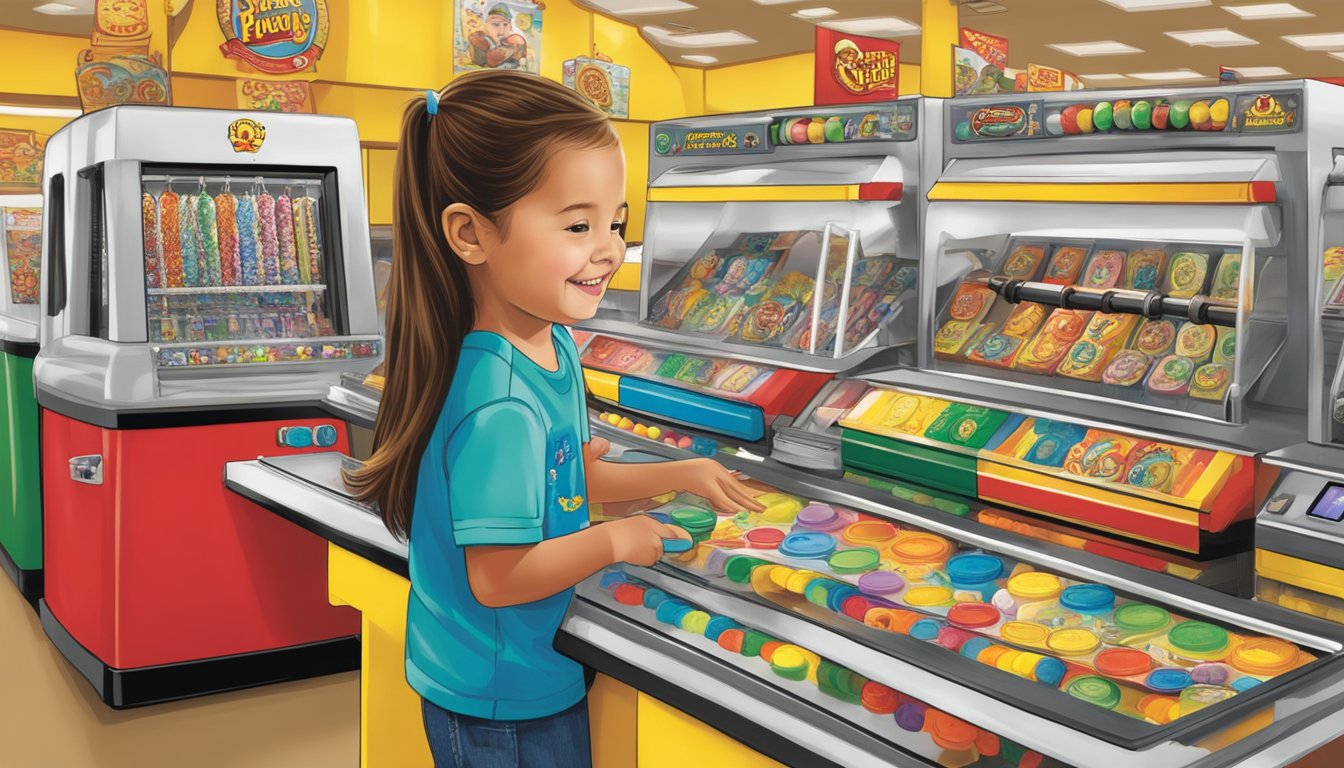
[[125, 688]]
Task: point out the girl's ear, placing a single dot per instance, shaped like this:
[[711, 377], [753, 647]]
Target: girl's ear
[[462, 228]]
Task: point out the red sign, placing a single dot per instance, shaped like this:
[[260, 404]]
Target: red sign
[[853, 68], [992, 48]]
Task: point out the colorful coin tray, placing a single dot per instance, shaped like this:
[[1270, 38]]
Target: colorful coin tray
[[1029, 623], [238, 354], [718, 395], [965, 744], [1159, 493]]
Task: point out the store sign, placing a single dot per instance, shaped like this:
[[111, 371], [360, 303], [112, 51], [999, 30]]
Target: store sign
[[852, 68], [21, 161], [715, 141], [246, 135], [276, 36], [1267, 112]]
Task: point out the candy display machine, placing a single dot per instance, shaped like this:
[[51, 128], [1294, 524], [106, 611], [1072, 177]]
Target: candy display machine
[[200, 297], [1299, 544], [1109, 331], [781, 248], [20, 501]]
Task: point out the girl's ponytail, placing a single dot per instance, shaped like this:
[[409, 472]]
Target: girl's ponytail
[[486, 147]]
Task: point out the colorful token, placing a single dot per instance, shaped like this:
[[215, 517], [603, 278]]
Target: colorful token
[[952, 638], [799, 580], [852, 561], [1087, 598], [1264, 656], [973, 615], [1197, 697], [1027, 633], [1138, 618], [910, 716], [974, 568], [950, 733], [1211, 673], [718, 625], [870, 532], [1025, 664], [1050, 671], [878, 698], [739, 568], [925, 629], [857, 607], [928, 596], [731, 640], [921, 548], [694, 520], [764, 538], [1168, 680], [1198, 637], [881, 583], [788, 662], [817, 516], [975, 646], [1095, 690], [672, 612], [654, 597], [753, 641], [695, 622], [1243, 684], [1122, 662], [628, 594], [807, 545], [1034, 585], [1073, 641], [1005, 660]]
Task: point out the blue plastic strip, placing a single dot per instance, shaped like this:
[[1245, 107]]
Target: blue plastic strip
[[1005, 430], [711, 414]]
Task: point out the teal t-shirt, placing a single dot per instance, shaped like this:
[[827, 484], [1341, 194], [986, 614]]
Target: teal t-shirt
[[503, 466]]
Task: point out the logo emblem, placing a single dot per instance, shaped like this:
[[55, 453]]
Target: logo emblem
[[662, 143], [246, 135], [571, 503], [275, 36]]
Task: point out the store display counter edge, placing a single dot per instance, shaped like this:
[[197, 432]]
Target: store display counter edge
[[113, 417]]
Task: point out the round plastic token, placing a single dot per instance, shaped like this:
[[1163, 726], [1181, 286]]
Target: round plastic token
[[752, 642], [808, 545], [1211, 673], [870, 532], [1034, 585], [695, 622], [1024, 633], [612, 578], [764, 538], [1006, 660], [731, 640], [718, 625], [672, 612], [654, 597], [878, 698], [1168, 680], [926, 596], [694, 520], [1243, 684], [798, 581], [779, 575], [910, 716], [1197, 697], [1050, 671], [835, 598], [851, 561], [1072, 641], [789, 662], [1096, 690], [1122, 662], [921, 548], [991, 655], [973, 615], [628, 594], [925, 629], [738, 569], [1198, 637], [1264, 656], [1141, 617], [768, 649], [952, 638], [950, 733], [974, 568], [817, 516], [1157, 707], [881, 582], [1087, 598], [675, 546], [856, 607], [1025, 664], [972, 648]]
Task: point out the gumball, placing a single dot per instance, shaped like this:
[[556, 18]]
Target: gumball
[[1160, 113], [1103, 116], [1068, 119], [1120, 111], [964, 130], [1142, 115], [1179, 117], [1085, 120], [1218, 114]]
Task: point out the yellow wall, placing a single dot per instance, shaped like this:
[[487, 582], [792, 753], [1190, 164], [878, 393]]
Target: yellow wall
[[38, 64]]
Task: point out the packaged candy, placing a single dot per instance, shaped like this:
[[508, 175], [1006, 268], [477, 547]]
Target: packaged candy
[[981, 333], [711, 314], [759, 242], [670, 312], [1065, 264], [1225, 347], [1023, 261], [1157, 466], [1061, 329], [1334, 263], [901, 412], [1104, 269], [968, 425], [871, 271], [1100, 456], [738, 378], [1171, 376], [1185, 276], [768, 320], [1024, 320], [971, 302], [1127, 369], [610, 354], [1210, 382], [1103, 339], [1155, 338], [689, 369], [1227, 278], [1195, 342], [741, 273], [996, 349], [1143, 268], [952, 336], [1109, 328], [1047, 443]]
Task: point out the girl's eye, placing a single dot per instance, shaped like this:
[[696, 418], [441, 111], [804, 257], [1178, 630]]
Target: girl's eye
[[619, 228], [579, 228]]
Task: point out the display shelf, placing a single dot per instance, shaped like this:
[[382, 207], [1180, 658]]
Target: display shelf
[[226, 289]]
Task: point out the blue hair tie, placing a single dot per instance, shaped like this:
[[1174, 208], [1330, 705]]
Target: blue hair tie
[[432, 102]]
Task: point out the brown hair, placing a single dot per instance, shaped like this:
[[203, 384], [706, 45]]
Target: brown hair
[[487, 147]]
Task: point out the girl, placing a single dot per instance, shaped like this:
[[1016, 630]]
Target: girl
[[509, 211]]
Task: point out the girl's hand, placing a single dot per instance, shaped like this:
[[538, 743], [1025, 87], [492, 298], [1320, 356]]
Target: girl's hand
[[638, 540], [595, 449], [709, 480]]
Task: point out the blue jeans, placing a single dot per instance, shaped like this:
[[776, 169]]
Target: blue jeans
[[460, 741]]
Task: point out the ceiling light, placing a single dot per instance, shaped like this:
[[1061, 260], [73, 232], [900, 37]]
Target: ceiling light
[[637, 7], [58, 9], [1100, 48], [815, 13], [1107, 76], [1211, 38], [1338, 55], [698, 39], [1326, 42], [1175, 74], [6, 109], [1261, 71], [1268, 11], [880, 26], [699, 58], [1155, 5], [985, 7], [776, 2]]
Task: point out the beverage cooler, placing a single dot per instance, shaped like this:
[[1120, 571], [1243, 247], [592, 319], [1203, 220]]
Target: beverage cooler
[[781, 249], [1299, 545], [207, 277], [20, 501]]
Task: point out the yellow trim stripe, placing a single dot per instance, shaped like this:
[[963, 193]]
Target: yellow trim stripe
[[626, 277], [1300, 573], [603, 384], [1212, 480], [1185, 192], [801, 193]]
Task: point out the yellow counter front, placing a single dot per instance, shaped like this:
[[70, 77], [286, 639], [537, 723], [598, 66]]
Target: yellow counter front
[[628, 727]]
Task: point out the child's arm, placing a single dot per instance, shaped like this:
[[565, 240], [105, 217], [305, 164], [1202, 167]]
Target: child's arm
[[504, 576], [610, 481]]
